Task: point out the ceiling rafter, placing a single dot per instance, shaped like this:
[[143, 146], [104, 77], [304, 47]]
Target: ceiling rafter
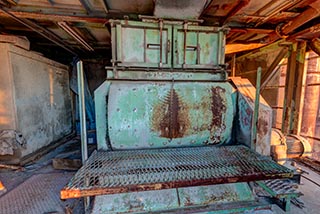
[[40, 30]]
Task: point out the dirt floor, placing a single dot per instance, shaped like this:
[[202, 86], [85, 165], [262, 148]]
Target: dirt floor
[[36, 188]]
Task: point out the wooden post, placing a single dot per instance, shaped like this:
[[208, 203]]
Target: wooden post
[[295, 77], [298, 93], [233, 66], [256, 111]]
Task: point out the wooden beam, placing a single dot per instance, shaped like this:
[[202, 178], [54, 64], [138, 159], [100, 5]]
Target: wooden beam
[[235, 48], [235, 10], [309, 14], [295, 77], [315, 45], [271, 70], [309, 33]]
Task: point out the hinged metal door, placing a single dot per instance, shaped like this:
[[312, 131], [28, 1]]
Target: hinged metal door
[[140, 44], [198, 47]]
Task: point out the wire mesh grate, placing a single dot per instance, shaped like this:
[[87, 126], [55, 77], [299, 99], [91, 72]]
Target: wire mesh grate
[[108, 172]]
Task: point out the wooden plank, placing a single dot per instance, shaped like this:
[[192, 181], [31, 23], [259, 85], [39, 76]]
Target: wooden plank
[[66, 164], [44, 150]]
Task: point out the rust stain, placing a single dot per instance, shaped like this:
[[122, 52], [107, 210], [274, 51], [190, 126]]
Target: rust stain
[[171, 116], [263, 125], [218, 106]]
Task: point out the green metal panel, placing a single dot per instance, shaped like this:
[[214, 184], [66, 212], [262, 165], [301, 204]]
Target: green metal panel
[[166, 114], [136, 202], [167, 75], [198, 47], [222, 193], [140, 44], [173, 199], [100, 95]]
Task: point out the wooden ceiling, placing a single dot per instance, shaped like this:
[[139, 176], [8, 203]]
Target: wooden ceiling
[[80, 27]]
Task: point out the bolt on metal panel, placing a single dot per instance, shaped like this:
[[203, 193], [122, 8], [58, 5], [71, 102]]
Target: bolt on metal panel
[[168, 114]]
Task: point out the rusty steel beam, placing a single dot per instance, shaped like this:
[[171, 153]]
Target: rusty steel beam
[[235, 10], [315, 45]]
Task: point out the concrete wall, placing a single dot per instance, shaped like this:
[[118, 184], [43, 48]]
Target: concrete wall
[[34, 97]]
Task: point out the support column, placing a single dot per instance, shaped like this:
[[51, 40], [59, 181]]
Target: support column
[[295, 78]]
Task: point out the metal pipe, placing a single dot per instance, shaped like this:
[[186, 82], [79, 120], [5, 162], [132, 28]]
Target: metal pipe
[[43, 32], [75, 35], [256, 111], [82, 111]]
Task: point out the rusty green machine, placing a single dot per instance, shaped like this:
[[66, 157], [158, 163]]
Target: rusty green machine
[[174, 132]]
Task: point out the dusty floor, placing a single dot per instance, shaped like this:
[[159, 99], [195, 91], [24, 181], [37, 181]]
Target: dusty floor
[[36, 189]]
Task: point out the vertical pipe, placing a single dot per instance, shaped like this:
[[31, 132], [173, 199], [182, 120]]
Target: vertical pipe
[[233, 66], [83, 128], [256, 111], [82, 111]]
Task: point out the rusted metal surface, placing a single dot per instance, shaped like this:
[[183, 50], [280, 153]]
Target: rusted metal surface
[[182, 200], [154, 169], [171, 116], [168, 113], [167, 45], [245, 103], [221, 193], [168, 75], [137, 202], [282, 189]]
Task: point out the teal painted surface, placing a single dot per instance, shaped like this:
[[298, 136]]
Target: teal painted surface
[[138, 114], [167, 75], [202, 47], [205, 195], [100, 95], [170, 199], [138, 44], [136, 202]]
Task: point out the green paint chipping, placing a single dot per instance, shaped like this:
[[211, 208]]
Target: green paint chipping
[[166, 114]]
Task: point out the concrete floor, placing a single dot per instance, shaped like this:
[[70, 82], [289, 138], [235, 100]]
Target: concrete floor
[[27, 179]]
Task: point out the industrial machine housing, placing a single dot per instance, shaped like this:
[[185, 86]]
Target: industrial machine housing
[[173, 131]]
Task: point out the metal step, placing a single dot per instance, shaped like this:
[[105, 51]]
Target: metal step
[[110, 172]]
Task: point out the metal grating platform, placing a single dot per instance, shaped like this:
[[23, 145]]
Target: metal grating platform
[[112, 172], [39, 194]]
